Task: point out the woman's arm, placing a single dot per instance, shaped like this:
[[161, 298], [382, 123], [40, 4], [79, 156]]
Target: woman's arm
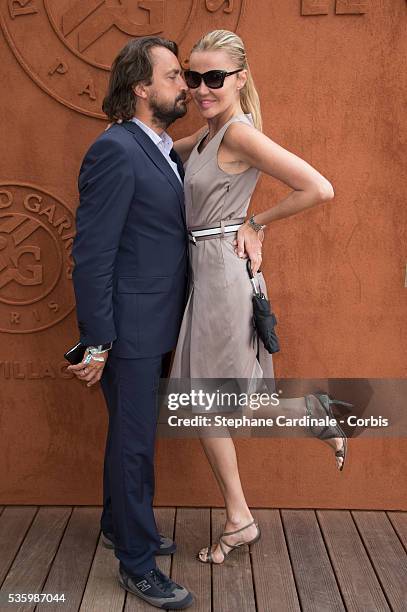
[[309, 186], [254, 148], [184, 146]]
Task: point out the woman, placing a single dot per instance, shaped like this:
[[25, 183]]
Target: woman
[[222, 167]]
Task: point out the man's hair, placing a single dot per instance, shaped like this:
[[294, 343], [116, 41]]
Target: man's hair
[[132, 65]]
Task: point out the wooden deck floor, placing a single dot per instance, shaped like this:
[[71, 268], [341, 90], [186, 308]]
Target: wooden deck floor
[[310, 560]]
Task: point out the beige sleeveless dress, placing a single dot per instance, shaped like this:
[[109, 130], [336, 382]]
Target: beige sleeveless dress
[[217, 337]]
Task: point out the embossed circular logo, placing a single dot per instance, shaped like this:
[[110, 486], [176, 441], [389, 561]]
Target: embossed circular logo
[[36, 236], [68, 46]]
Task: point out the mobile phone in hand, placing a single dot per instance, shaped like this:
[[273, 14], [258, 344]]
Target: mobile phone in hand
[[75, 354]]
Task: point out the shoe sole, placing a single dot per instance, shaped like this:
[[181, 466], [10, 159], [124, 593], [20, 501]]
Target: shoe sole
[[188, 601]]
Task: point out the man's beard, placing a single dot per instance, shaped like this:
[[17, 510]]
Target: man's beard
[[164, 113]]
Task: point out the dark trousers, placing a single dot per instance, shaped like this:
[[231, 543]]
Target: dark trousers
[[130, 389]]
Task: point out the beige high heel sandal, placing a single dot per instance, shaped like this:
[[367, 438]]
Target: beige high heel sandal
[[329, 431], [222, 544]]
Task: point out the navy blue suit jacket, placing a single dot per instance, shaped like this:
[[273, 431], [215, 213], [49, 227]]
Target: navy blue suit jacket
[[131, 245]]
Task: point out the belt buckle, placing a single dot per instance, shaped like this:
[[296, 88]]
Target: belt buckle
[[192, 238]]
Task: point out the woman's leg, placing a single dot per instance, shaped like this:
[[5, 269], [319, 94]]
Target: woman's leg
[[221, 454]]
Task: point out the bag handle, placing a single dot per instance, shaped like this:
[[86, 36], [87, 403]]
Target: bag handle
[[251, 276]]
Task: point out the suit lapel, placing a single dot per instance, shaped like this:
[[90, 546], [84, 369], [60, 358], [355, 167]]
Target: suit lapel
[[158, 159], [176, 158]]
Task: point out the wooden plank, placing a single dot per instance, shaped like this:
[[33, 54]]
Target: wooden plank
[[399, 522], [356, 577], [14, 523], [193, 532], [232, 582], [103, 591], [165, 519], [31, 565], [387, 555], [71, 565], [313, 573], [273, 577]]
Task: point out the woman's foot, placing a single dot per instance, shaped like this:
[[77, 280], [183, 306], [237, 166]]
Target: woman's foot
[[245, 531], [317, 409]]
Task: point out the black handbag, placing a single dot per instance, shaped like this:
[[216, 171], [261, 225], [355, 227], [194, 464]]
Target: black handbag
[[263, 319]]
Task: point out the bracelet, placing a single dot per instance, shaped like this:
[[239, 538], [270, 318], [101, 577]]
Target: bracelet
[[256, 226], [90, 356], [101, 348]]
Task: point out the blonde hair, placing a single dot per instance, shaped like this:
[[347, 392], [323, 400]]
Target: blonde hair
[[224, 40]]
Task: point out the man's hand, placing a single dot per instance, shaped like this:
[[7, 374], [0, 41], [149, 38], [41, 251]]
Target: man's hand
[[90, 370], [248, 244]]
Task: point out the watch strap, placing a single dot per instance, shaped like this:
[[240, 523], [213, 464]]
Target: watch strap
[[100, 348], [256, 226]]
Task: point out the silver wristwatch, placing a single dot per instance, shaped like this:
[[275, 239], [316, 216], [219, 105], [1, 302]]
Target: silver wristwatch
[[256, 226], [101, 348]]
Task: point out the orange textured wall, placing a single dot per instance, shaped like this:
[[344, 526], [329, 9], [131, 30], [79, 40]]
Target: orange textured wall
[[331, 78]]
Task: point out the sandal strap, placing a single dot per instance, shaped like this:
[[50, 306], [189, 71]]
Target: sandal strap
[[227, 533], [322, 432], [231, 546], [308, 406], [209, 555], [327, 431], [222, 545], [332, 400], [340, 403]]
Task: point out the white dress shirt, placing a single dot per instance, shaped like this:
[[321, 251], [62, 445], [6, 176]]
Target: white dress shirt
[[164, 143]]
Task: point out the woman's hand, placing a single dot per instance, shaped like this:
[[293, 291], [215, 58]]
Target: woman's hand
[[248, 244]]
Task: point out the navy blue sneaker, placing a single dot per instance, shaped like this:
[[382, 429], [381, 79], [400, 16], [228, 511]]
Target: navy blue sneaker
[[157, 589], [167, 546]]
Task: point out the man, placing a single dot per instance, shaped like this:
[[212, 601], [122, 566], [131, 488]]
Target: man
[[130, 278]]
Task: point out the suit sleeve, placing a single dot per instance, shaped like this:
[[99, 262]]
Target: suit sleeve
[[106, 189]]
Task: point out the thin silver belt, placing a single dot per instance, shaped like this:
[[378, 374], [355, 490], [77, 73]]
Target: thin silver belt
[[212, 232]]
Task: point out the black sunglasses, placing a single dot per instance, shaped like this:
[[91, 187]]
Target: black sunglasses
[[213, 79]]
